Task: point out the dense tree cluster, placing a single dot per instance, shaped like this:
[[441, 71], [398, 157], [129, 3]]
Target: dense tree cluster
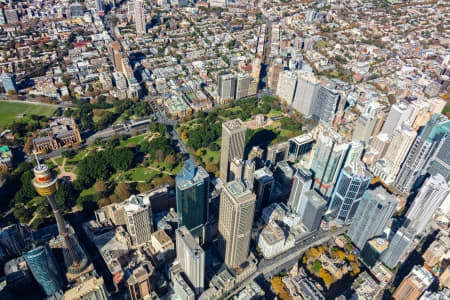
[[101, 165], [290, 124], [158, 146]]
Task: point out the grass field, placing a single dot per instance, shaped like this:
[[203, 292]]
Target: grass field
[[10, 110], [138, 174]]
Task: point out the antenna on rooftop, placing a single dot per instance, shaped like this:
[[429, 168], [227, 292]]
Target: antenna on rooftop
[[37, 159]]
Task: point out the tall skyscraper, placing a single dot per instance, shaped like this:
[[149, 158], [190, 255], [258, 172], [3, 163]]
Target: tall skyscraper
[[308, 87], [139, 17], [429, 198], [326, 105], [364, 127], [138, 212], [227, 87], [353, 182], [287, 84], [302, 183], [191, 258], [398, 114], [440, 161], [354, 153], [233, 145], [374, 211], [45, 270], [8, 81], [421, 151], [237, 208], [397, 150], [242, 85], [328, 160], [12, 239], [397, 247], [315, 208], [192, 193], [263, 183], [45, 184], [412, 287]]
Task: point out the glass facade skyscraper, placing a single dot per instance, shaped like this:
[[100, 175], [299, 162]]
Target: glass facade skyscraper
[[45, 270], [192, 192], [350, 187]]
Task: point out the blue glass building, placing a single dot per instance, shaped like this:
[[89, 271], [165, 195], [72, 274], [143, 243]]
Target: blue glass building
[[192, 193], [8, 81], [44, 268]]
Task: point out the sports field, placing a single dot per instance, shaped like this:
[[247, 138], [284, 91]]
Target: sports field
[[10, 110]]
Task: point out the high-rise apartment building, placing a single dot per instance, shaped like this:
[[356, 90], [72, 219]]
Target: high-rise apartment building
[[44, 268], [326, 105], [315, 208], [274, 73], [233, 145], [11, 16], [115, 51], [139, 17], [398, 114], [354, 153], [374, 211], [242, 86], [237, 208], [227, 87], [302, 183], [429, 198], [138, 212], [76, 11], [191, 258], [353, 182], [286, 86], [401, 142], [192, 193], [421, 151], [328, 160], [308, 87], [12, 239], [412, 287]]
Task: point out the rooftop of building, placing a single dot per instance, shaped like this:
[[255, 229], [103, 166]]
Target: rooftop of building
[[190, 175], [187, 237], [84, 289], [379, 244], [233, 125]]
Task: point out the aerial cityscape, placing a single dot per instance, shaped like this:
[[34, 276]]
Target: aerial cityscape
[[224, 149]]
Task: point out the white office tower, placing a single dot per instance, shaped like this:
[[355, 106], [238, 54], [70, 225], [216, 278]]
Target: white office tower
[[302, 183], [242, 85], [138, 212], [233, 145], [139, 17], [374, 211], [431, 195], [398, 114], [401, 142], [237, 208], [287, 83], [191, 258], [226, 87], [308, 87], [364, 127], [354, 153]]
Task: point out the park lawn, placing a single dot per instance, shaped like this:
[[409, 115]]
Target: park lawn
[[10, 110], [79, 156], [274, 112], [215, 155], [59, 160], [89, 191], [69, 168], [138, 174], [136, 139]]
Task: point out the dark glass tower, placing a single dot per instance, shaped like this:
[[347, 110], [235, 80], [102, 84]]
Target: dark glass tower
[[45, 270], [192, 192]]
